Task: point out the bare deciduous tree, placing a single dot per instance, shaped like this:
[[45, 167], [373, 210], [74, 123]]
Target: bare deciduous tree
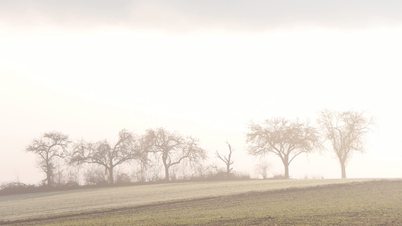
[[172, 148], [104, 154], [344, 130], [283, 138], [227, 160], [262, 169], [49, 147]]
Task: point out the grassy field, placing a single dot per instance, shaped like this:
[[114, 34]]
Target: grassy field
[[214, 203]]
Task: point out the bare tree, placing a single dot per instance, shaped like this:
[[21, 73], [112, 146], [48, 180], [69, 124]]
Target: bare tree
[[227, 160], [262, 169], [172, 148], [344, 130], [283, 138], [49, 147], [106, 155]]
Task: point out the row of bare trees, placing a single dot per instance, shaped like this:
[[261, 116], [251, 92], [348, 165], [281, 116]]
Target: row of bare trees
[[170, 147], [341, 132]]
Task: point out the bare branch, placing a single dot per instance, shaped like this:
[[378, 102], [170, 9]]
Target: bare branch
[[227, 160]]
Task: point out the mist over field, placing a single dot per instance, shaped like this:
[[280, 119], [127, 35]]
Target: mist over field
[[107, 66], [102, 94]]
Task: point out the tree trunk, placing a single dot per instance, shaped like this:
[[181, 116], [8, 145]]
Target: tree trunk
[[286, 165], [285, 161], [110, 177], [166, 173], [49, 168], [48, 174], [343, 169], [48, 178], [167, 166]]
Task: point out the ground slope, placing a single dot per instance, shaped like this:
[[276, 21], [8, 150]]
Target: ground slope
[[51, 204], [365, 203]]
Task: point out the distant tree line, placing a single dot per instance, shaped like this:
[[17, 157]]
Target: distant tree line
[[159, 151]]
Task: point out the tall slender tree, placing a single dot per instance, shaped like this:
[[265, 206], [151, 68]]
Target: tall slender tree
[[227, 160], [345, 132]]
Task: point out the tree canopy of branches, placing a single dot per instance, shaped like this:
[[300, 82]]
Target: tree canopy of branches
[[172, 148], [344, 131], [106, 155], [227, 160], [283, 138], [49, 147]]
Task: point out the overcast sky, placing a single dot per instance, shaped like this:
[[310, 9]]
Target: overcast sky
[[202, 14], [204, 68]]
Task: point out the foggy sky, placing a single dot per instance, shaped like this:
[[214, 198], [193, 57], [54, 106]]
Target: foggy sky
[[92, 68], [202, 14]]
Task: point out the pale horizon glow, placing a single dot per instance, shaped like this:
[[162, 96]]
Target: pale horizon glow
[[210, 84]]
